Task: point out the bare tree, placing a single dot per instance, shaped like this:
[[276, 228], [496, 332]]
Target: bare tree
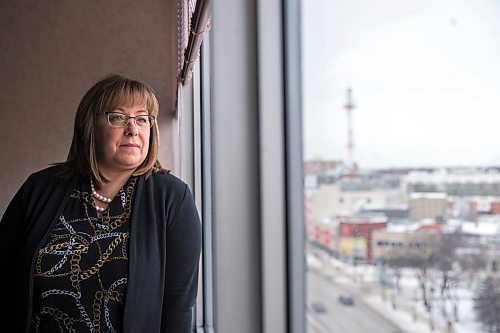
[[397, 260], [487, 304], [417, 254], [425, 281], [397, 263], [444, 257], [444, 254], [472, 261]]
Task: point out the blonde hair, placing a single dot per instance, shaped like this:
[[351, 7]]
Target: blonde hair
[[108, 94]]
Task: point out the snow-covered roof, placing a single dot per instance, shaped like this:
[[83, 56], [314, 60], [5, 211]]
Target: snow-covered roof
[[487, 218], [399, 228], [428, 195], [481, 229], [378, 206], [364, 219], [441, 177]]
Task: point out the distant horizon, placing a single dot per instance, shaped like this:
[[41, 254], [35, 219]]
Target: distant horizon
[[497, 166]]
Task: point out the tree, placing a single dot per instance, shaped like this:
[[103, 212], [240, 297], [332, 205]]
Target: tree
[[472, 261], [444, 257], [420, 263], [487, 304]]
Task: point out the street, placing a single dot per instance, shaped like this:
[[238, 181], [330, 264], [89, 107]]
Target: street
[[339, 318]]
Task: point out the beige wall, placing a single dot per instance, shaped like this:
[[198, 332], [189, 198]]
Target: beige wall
[[397, 243], [52, 51], [329, 200], [428, 205]]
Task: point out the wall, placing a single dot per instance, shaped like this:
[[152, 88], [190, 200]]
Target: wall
[[329, 200], [53, 51]]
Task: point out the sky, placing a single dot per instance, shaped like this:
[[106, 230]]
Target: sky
[[425, 80]]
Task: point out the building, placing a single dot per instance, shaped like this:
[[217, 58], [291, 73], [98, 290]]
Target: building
[[403, 242], [454, 182], [336, 199], [428, 205], [356, 236], [320, 167]]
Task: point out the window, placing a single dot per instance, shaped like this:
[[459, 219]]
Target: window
[[400, 104]]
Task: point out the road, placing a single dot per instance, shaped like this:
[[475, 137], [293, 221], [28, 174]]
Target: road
[[339, 318]]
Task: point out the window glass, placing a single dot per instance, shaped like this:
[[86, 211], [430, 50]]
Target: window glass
[[402, 165]]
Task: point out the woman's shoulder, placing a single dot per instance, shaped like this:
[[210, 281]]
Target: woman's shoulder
[[46, 175], [45, 182], [167, 181], [168, 188]]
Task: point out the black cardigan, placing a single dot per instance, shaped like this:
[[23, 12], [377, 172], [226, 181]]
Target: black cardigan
[[164, 249]]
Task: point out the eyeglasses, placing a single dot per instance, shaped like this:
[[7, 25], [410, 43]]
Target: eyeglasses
[[116, 119]]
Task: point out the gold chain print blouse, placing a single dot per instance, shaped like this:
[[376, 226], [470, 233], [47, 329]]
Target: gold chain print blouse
[[81, 268]]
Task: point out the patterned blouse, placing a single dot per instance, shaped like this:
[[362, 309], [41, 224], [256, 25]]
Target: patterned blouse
[[81, 269]]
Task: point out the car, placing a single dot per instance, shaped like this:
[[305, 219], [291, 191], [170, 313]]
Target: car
[[318, 307], [346, 299]]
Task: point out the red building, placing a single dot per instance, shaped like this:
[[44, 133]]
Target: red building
[[356, 236]]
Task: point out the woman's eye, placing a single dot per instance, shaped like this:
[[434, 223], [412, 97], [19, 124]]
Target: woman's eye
[[116, 117], [142, 120]]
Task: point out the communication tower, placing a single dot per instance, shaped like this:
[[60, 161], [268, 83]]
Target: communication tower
[[349, 106]]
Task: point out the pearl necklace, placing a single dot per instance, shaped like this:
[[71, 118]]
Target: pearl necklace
[[99, 197]]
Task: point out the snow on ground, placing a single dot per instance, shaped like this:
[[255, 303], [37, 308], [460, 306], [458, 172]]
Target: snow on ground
[[409, 312], [401, 318]]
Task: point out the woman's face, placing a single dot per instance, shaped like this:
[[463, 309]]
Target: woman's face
[[124, 148]]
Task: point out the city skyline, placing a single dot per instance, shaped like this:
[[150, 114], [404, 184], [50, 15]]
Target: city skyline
[[425, 76]]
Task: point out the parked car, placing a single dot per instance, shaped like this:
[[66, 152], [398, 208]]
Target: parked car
[[346, 299], [318, 307]]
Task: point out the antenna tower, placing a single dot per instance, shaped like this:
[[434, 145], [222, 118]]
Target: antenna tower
[[349, 106]]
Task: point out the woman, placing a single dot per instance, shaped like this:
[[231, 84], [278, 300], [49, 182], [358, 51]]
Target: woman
[[107, 241]]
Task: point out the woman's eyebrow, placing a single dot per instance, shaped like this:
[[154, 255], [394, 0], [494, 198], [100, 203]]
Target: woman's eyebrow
[[137, 111]]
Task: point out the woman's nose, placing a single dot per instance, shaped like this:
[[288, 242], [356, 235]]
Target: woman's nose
[[131, 127]]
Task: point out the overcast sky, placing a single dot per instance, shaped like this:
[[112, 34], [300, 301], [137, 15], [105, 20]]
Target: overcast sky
[[425, 77]]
